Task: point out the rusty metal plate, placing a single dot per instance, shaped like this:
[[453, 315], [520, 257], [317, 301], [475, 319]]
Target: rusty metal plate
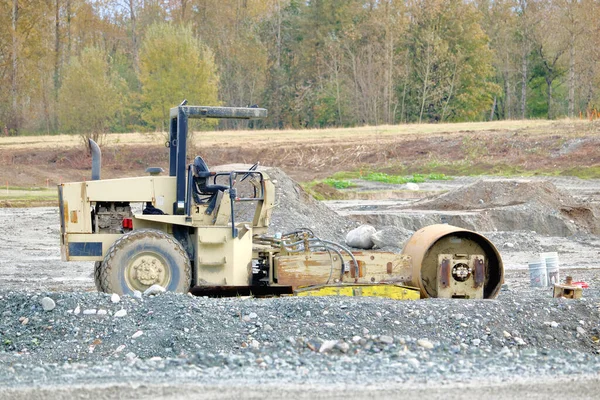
[[316, 268]]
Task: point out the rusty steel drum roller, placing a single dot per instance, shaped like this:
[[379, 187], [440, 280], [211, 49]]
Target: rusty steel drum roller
[[452, 262]]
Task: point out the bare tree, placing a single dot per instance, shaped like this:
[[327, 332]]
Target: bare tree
[[15, 117]]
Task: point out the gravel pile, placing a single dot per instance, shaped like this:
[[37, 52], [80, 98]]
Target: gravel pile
[[297, 209], [91, 337], [518, 204]]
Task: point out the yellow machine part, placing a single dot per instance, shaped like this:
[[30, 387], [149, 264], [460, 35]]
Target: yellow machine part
[[390, 291]]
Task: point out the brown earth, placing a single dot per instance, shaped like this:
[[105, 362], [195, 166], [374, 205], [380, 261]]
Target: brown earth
[[551, 147]]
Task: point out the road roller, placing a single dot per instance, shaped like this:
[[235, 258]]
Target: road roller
[[186, 232]]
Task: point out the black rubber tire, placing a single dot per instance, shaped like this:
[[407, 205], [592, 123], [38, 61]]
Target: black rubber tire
[[97, 280], [118, 272]]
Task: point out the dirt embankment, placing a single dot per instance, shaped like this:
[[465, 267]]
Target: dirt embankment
[[560, 146]]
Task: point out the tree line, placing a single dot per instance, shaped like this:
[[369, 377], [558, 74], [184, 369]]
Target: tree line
[[95, 66]]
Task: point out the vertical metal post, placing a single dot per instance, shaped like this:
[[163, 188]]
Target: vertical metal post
[[173, 147], [182, 128]]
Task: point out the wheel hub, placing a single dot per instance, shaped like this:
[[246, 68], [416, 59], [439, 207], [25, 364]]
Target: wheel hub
[[148, 270]]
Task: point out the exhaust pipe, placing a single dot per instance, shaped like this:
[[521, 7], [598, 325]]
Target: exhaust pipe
[[96, 159]]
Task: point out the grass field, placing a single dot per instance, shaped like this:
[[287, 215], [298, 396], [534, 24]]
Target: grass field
[[258, 137]]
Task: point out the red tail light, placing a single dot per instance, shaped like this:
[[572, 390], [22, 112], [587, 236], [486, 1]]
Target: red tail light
[[127, 223]]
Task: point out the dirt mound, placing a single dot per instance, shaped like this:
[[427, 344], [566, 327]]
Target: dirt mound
[[494, 193], [519, 205]]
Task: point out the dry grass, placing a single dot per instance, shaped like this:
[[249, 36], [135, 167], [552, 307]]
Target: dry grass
[[260, 137], [17, 197]]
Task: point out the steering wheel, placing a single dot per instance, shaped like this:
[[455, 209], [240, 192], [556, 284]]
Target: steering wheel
[[252, 168]]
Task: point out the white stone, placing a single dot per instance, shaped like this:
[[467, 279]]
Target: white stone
[[580, 330], [77, 310], [360, 237], [137, 294], [343, 347], [391, 236], [137, 334], [425, 343], [39, 370], [154, 290], [356, 339], [102, 312], [48, 304], [253, 315], [90, 311], [413, 362], [412, 186], [506, 334], [121, 313], [115, 298], [120, 348], [386, 339], [554, 324], [476, 342], [520, 341], [327, 346]]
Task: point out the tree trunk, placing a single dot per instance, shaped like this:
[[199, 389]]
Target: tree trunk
[[524, 83], [507, 90], [337, 90], [68, 29], [183, 7], [549, 80], [14, 119], [134, 38], [56, 47], [493, 111], [425, 84], [572, 76], [402, 110]]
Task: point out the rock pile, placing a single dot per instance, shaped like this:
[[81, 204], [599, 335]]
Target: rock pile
[[523, 333]]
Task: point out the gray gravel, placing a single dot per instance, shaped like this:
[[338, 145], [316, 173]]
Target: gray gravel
[[524, 333]]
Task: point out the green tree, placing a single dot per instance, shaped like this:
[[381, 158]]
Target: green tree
[[88, 100], [175, 66], [451, 61]]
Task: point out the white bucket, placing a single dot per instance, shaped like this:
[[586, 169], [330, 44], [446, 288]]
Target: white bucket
[[552, 268], [537, 273]]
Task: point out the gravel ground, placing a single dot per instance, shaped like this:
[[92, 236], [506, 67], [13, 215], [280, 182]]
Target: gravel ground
[[90, 345], [523, 333]]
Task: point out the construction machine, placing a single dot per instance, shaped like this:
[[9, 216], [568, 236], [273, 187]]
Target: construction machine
[[182, 232]]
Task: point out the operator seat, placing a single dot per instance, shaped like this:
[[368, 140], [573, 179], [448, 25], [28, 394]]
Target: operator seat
[[201, 184]]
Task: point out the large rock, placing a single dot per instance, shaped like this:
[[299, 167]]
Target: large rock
[[48, 304], [391, 236], [360, 237]]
